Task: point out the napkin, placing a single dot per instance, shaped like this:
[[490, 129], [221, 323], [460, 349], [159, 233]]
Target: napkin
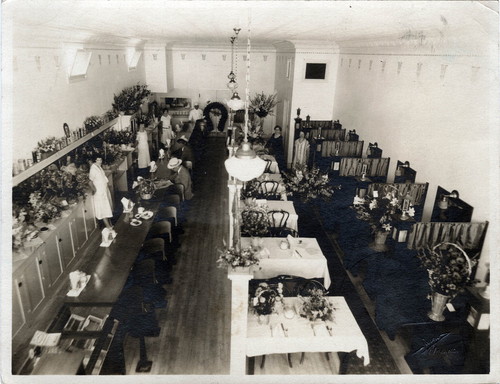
[[292, 241], [320, 330], [153, 166], [128, 205], [161, 154]]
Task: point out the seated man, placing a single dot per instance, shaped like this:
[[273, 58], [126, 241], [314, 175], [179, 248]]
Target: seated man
[[180, 175], [184, 152]]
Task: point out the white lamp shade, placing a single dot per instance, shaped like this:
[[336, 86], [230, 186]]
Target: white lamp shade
[[235, 104], [245, 169]]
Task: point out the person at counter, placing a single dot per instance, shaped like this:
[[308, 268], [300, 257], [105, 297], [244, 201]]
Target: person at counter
[[196, 113], [180, 175], [184, 152], [167, 133], [102, 196]]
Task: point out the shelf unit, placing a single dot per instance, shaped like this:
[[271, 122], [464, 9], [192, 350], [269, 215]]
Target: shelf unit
[[16, 180]]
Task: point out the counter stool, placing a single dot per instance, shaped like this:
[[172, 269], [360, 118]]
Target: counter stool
[[152, 249], [163, 230]]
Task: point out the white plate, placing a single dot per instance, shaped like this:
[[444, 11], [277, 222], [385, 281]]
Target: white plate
[[147, 215], [138, 216], [135, 223]]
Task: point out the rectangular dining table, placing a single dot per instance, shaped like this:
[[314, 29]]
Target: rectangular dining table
[[282, 335], [305, 259]]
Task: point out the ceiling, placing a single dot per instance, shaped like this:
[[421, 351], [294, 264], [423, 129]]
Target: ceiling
[[134, 22]]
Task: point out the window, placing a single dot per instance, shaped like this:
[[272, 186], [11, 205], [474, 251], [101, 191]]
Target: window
[[80, 65], [134, 60], [316, 71]]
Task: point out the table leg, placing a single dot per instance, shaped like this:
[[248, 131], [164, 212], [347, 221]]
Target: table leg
[[344, 361], [250, 365]]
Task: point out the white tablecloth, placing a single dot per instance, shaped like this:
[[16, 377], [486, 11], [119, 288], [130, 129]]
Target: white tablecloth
[[346, 334], [311, 263], [276, 205]]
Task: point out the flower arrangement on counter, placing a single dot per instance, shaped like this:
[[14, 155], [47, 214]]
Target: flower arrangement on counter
[[112, 136], [110, 115], [448, 266], [130, 98], [22, 231], [48, 145], [93, 122], [254, 221], [43, 210], [316, 306], [144, 119], [380, 212], [144, 187], [230, 257], [309, 184], [265, 299], [263, 105]]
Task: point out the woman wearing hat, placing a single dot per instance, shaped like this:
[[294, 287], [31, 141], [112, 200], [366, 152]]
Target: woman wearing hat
[[180, 175]]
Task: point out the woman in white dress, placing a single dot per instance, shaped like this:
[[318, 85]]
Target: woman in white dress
[[142, 146], [301, 153], [102, 196], [167, 133]]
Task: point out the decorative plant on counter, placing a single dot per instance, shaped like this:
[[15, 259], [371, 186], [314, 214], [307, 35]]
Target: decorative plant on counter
[[263, 105], [114, 137], [379, 212], [48, 145], [22, 231], [230, 257], [309, 184], [316, 306], [448, 266], [68, 183], [43, 210], [93, 122], [144, 119], [111, 115], [130, 98], [265, 299], [144, 188]]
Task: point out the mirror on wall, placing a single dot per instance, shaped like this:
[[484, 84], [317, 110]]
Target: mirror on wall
[[448, 207]]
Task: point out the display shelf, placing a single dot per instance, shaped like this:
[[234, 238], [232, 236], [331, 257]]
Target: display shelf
[[16, 180]]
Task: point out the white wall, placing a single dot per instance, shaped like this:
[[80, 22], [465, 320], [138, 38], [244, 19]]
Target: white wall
[[43, 100], [441, 120]]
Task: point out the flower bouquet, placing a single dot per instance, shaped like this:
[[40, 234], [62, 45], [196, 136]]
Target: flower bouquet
[[230, 257], [263, 105], [309, 184], [448, 266], [144, 188], [23, 233], [265, 299], [254, 221], [48, 145], [379, 212], [92, 123], [316, 306], [130, 98], [42, 210]]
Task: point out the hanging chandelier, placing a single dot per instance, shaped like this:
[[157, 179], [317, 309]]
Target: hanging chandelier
[[232, 84], [245, 165]]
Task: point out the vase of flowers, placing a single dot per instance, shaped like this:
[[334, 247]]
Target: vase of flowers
[[93, 122], [263, 105], [316, 306], [309, 184], [449, 269], [254, 221], [265, 300], [234, 258], [144, 188], [130, 98]]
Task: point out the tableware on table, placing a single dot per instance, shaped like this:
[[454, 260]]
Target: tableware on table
[[147, 215], [138, 216], [314, 331], [285, 330], [284, 244], [140, 210], [135, 223], [289, 312], [329, 329]]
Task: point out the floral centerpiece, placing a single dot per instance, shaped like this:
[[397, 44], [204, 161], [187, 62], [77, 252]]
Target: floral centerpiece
[[265, 299], [93, 122], [263, 105], [254, 221], [42, 210], [231, 257], [144, 188], [309, 184], [316, 306], [448, 266], [48, 145], [379, 212]]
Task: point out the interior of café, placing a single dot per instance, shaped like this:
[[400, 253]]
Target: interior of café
[[210, 189]]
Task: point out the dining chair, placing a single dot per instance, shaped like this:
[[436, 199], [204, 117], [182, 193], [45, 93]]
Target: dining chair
[[269, 163], [277, 221], [268, 189]]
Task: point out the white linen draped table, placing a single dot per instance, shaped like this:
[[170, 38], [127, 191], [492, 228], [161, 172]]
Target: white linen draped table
[[346, 336], [277, 205], [309, 262]]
